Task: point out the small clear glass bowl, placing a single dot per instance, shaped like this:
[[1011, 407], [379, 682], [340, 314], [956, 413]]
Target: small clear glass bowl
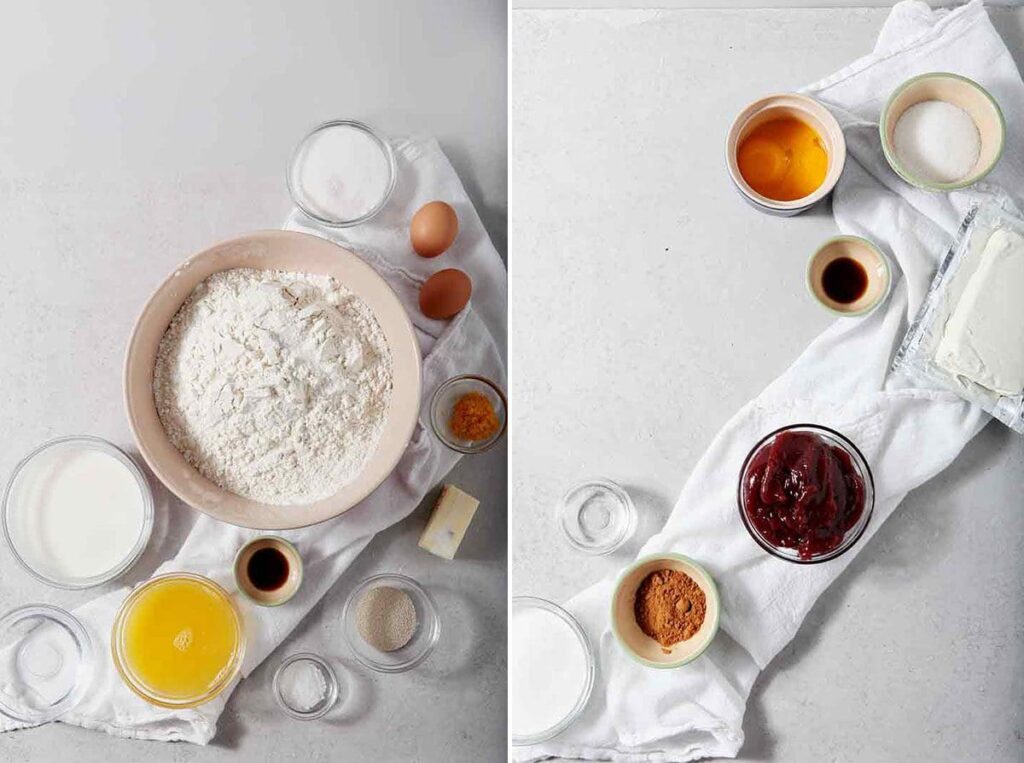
[[302, 200], [597, 516], [520, 603], [860, 465], [423, 641], [13, 492], [48, 663], [326, 702], [444, 399]]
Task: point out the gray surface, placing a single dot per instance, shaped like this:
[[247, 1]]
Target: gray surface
[[649, 303], [133, 135]]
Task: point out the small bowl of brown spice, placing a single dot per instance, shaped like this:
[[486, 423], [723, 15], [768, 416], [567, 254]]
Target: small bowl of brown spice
[[665, 610], [468, 413]]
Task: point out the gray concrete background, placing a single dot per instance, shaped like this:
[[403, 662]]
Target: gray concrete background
[[134, 134], [649, 303]]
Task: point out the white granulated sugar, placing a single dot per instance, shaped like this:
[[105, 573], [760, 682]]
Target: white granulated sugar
[[274, 385], [937, 142], [341, 173], [547, 671]]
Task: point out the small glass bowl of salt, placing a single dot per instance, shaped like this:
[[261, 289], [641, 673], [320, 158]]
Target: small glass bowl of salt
[[305, 686]]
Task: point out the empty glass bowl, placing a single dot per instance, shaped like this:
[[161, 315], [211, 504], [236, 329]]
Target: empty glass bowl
[[597, 516], [46, 663]]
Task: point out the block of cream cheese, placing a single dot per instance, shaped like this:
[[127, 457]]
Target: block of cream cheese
[[452, 514], [983, 340]]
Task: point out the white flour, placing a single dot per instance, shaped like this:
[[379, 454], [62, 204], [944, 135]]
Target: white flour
[[274, 385]]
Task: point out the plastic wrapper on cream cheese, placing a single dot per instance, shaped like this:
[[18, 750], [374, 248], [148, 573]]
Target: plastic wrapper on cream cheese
[[968, 336]]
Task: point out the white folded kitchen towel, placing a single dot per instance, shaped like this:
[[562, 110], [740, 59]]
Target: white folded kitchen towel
[[908, 432], [468, 343]]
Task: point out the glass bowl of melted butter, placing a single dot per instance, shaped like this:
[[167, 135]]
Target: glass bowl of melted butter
[[178, 640]]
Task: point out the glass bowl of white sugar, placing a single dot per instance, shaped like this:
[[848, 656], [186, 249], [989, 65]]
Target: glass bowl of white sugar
[[77, 512], [342, 173], [551, 669]]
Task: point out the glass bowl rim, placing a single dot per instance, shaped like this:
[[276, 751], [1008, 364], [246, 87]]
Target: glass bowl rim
[[332, 686], [429, 606], [854, 534], [620, 493], [435, 402], [148, 512], [389, 155], [588, 688], [117, 642], [87, 659]]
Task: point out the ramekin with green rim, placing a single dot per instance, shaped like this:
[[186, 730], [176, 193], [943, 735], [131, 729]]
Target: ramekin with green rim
[[638, 644], [877, 273], [961, 92]]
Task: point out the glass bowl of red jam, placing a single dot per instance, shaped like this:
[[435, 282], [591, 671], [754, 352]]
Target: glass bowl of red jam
[[806, 493]]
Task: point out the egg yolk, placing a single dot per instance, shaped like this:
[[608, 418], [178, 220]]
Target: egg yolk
[[783, 159]]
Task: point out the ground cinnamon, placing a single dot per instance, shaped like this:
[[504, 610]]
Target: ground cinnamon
[[669, 606], [473, 417]]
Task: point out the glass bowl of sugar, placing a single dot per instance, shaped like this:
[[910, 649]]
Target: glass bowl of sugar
[[551, 669], [342, 173], [77, 512]]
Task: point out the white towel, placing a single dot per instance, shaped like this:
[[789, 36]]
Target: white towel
[[465, 344], [907, 432]]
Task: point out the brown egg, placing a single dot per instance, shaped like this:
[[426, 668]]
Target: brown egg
[[433, 229], [445, 293]]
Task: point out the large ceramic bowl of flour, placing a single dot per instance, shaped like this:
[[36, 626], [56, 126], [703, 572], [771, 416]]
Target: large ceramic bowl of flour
[[273, 381]]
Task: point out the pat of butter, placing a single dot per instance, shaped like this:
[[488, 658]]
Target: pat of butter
[[447, 526], [983, 340]]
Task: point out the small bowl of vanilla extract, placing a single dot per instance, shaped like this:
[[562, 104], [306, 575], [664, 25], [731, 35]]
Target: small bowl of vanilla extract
[[268, 570], [849, 276]]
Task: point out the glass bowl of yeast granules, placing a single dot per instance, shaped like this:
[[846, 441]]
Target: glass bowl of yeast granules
[[390, 623]]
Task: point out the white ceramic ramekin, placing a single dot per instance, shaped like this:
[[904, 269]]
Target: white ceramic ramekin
[[809, 111]]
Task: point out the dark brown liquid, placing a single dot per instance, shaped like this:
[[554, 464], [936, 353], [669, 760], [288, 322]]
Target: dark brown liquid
[[844, 280], [268, 569]]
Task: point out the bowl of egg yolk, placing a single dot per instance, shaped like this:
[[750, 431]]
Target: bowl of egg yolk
[[785, 153]]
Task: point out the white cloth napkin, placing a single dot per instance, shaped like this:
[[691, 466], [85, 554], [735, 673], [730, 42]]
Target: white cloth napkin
[[466, 344], [907, 432]]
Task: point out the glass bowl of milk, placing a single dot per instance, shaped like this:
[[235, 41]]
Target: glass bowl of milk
[[77, 512]]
